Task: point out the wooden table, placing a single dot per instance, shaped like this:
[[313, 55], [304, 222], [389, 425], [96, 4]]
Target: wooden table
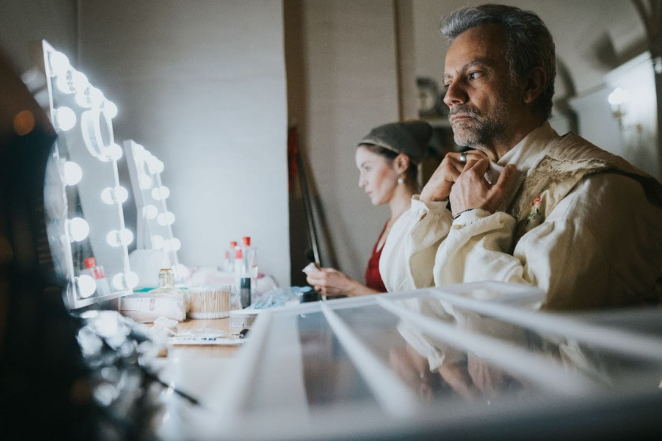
[[184, 351]]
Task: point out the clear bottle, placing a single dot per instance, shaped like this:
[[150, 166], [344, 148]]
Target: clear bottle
[[97, 273], [167, 288], [228, 265], [250, 256], [242, 278]]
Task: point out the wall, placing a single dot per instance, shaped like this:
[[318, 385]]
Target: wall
[[202, 85], [22, 21], [342, 81]]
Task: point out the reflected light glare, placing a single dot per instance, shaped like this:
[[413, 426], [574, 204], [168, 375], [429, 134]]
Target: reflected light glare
[[86, 286], [157, 242], [65, 118], [115, 152], [96, 96], [59, 63], [175, 244], [78, 229], [618, 97], [121, 194], [72, 173], [110, 109], [126, 236], [113, 238]]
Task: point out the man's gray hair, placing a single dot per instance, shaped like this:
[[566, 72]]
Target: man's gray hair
[[529, 42]]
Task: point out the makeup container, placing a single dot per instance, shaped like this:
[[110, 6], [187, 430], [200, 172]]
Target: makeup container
[[210, 302]]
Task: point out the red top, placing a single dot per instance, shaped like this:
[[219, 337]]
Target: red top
[[373, 279]]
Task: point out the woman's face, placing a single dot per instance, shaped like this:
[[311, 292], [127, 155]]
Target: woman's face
[[376, 177]]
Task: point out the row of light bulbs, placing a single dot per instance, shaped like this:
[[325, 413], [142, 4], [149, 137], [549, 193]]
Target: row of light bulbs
[[121, 281]]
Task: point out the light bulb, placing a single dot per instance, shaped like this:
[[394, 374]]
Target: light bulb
[[121, 194], [167, 246], [159, 166], [157, 242], [59, 63], [126, 236], [113, 238], [175, 244], [118, 281], [131, 280], [110, 109], [161, 219], [83, 98], [78, 229], [107, 196], [160, 193], [115, 152], [169, 217], [151, 211], [72, 173], [79, 80], [86, 286], [145, 182], [618, 97], [96, 96], [65, 118], [64, 84]]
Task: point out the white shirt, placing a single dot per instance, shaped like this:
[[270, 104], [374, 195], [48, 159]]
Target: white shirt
[[600, 246]]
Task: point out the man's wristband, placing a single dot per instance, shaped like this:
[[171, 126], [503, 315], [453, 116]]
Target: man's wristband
[[460, 213]]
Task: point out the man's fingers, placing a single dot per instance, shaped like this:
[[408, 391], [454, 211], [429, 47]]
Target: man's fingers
[[480, 167]]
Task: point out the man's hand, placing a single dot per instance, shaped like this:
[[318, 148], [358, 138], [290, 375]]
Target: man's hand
[[471, 189], [443, 178]]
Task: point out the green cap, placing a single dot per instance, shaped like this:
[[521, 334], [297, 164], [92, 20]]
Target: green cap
[[410, 138]]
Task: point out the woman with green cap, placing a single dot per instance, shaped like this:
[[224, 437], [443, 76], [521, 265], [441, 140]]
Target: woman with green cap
[[387, 159]]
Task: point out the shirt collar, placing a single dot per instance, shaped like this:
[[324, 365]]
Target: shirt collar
[[531, 148]]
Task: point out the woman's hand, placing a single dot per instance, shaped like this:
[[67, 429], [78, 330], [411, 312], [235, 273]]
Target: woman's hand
[[331, 282]]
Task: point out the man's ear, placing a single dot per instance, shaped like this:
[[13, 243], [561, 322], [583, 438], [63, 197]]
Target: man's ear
[[401, 163], [533, 85]]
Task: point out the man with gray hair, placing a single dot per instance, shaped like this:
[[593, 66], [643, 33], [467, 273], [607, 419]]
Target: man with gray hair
[[526, 205]]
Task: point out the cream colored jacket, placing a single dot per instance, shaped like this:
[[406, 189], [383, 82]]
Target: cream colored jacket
[[581, 224]]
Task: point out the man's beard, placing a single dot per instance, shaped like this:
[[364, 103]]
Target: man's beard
[[482, 129]]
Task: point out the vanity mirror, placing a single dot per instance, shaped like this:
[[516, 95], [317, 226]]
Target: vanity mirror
[[83, 196]]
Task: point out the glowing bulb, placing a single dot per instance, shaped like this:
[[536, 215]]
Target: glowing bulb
[[175, 244], [157, 242], [79, 80], [78, 229], [159, 166], [160, 193], [86, 286], [125, 281], [167, 246], [126, 236], [59, 63], [145, 182], [110, 109], [169, 217], [151, 211], [131, 280], [115, 152], [65, 118], [107, 196], [161, 219], [118, 281], [96, 96], [64, 84], [113, 238], [121, 195], [72, 173], [83, 98]]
